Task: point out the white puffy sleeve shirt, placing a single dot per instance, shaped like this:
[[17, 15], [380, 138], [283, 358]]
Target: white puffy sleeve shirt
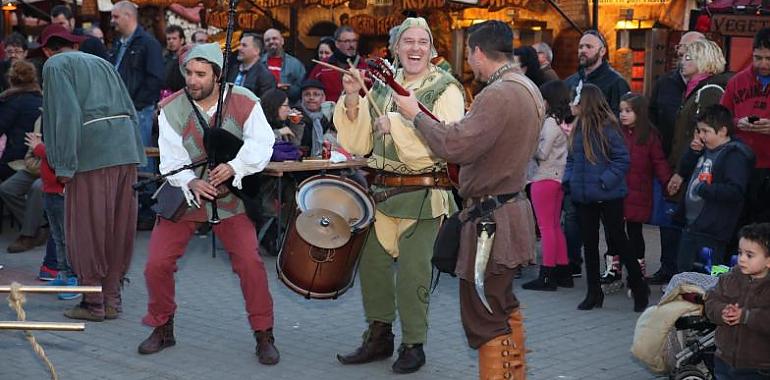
[[252, 158]]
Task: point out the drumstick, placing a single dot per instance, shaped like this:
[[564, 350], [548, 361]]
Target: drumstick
[[357, 74], [330, 66]]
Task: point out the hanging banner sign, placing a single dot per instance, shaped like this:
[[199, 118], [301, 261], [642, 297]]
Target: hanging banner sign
[[627, 2], [492, 4], [274, 3], [326, 3], [246, 20], [738, 25], [374, 26], [166, 3]]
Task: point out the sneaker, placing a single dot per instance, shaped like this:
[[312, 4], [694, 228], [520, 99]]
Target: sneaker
[[60, 280], [71, 281], [47, 274]]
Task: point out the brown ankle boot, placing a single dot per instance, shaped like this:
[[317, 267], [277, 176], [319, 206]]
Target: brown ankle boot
[[377, 345], [160, 338], [266, 351], [516, 323], [22, 244]]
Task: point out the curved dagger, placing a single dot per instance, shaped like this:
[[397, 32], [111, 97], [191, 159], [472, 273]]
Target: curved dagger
[[486, 236]]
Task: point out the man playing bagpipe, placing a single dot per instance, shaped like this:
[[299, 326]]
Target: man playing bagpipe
[[184, 119]]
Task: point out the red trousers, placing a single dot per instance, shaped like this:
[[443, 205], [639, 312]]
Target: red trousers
[[167, 244]]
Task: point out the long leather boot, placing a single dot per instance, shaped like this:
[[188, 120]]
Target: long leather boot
[[518, 336], [161, 337], [497, 359], [377, 345]]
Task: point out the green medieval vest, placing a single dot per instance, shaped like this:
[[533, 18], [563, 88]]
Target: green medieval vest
[[414, 204]]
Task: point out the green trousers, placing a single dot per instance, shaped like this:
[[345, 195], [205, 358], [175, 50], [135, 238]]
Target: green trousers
[[403, 284]]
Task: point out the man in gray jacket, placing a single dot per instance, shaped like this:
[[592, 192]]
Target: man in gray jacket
[[287, 70]]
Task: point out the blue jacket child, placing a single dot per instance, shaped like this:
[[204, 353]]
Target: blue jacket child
[[604, 180]]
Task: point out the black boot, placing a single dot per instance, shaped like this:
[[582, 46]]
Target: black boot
[[377, 345], [562, 276], [641, 294], [544, 280], [410, 358], [594, 298]]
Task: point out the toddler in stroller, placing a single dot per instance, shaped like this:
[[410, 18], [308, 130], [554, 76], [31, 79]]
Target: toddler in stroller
[[674, 338]]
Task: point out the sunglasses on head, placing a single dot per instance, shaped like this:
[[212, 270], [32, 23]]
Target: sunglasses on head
[[596, 34]]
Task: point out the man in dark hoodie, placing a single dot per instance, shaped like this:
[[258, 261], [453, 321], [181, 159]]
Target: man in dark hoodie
[[345, 48], [596, 70], [716, 168]]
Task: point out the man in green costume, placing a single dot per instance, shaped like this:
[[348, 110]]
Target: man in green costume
[[413, 196]]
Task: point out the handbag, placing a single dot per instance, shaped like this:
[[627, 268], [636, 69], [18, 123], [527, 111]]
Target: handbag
[[662, 208], [285, 151], [170, 202], [447, 246]]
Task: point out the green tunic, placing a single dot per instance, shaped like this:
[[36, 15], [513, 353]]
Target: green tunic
[[89, 121]]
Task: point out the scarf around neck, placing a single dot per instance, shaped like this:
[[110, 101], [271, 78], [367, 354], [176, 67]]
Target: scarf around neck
[[694, 82], [318, 130]]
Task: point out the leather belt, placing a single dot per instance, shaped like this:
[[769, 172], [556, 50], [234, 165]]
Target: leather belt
[[491, 202], [438, 179]]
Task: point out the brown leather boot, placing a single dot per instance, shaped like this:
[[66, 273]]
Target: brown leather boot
[[518, 336], [266, 351], [22, 244], [498, 359], [377, 345], [160, 338]]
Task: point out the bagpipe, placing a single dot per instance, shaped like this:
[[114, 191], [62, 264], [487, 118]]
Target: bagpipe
[[221, 147]]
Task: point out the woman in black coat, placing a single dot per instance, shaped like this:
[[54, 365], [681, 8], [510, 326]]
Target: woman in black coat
[[19, 109]]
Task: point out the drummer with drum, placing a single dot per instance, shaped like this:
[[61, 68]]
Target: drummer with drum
[[412, 194], [181, 143]]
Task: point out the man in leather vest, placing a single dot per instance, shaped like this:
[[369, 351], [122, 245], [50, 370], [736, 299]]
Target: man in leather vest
[[181, 143]]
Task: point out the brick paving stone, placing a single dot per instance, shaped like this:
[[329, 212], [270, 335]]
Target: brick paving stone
[[214, 341]]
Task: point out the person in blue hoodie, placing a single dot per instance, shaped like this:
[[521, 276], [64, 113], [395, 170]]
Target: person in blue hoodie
[[716, 170], [597, 163]]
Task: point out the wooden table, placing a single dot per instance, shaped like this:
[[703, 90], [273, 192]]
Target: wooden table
[[277, 169]]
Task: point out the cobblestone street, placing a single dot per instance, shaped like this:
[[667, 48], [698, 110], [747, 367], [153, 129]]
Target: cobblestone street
[[214, 341]]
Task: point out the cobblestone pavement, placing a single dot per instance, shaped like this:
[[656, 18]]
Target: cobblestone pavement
[[214, 341]]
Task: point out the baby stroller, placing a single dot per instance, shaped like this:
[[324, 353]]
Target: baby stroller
[[674, 338], [694, 336]]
